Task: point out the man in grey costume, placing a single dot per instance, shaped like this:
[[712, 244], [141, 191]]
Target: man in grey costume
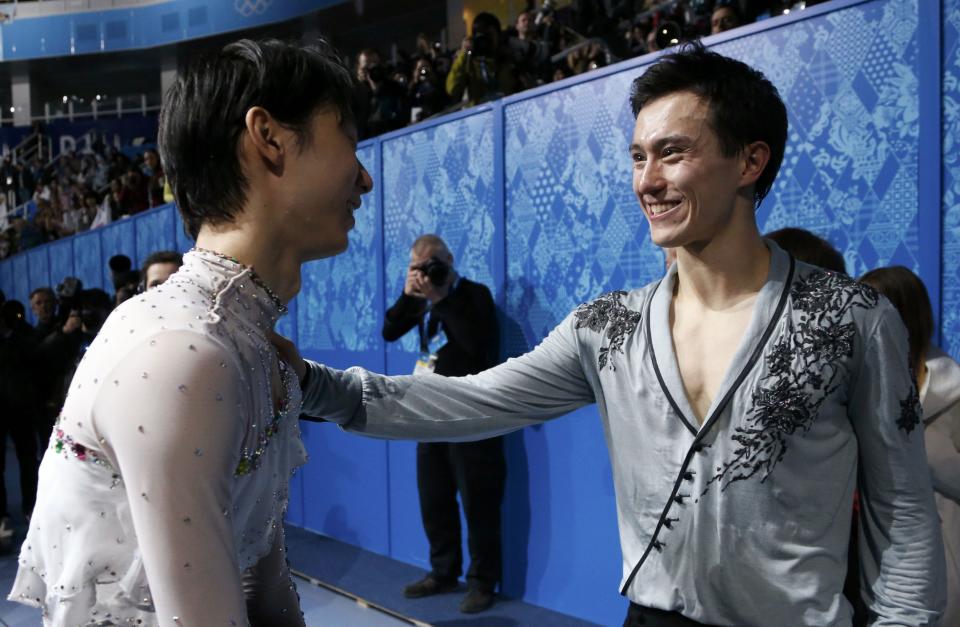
[[744, 397]]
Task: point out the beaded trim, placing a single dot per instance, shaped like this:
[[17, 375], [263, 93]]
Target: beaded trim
[[251, 461], [63, 444], [253, 276]]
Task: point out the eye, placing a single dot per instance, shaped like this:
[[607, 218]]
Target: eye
[[638, 157]]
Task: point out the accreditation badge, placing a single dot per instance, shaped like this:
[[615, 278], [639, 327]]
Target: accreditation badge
[[426, 364]]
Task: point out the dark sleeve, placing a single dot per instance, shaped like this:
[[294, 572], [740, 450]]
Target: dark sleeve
[[470, 320], [403, 316]]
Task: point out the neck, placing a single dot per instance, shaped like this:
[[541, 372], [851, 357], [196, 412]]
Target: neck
[[277, 266], [721, 273]]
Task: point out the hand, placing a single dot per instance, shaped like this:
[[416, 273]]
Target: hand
[[433, 293], [72, 324], [289, 353], [411, 285]]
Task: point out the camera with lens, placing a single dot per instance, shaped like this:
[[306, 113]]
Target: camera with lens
[[67, 294], [436, 269], [377, 73]]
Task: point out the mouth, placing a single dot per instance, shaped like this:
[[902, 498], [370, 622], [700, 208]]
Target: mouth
[[658, 210]]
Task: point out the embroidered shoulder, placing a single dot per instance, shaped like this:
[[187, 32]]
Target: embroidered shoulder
[[608, 311], [804, 367]]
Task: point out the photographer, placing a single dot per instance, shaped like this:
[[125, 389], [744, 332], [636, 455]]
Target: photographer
[[457, 325], [381, 107], [482, 69], [427, 96]]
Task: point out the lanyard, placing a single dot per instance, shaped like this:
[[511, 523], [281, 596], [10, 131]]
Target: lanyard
[[424, 327]]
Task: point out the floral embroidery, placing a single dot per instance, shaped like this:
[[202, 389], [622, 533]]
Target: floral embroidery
[[804, 368], [910, 411], [608, 311], [63, 444]]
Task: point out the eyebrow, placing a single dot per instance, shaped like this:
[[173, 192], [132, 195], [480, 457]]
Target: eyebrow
[[663, 141]]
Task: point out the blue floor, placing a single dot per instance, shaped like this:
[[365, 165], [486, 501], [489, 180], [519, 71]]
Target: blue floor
[[331, 576]]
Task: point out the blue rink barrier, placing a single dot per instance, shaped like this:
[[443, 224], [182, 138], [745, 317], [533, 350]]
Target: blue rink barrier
[[533, 194]]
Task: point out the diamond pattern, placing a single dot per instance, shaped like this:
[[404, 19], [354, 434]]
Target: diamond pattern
[[950, 322]]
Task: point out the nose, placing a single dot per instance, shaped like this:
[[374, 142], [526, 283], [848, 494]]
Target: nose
[[364, 180], [648, 179]]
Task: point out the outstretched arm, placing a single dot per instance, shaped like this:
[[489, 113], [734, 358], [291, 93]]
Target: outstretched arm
[[545, 383]]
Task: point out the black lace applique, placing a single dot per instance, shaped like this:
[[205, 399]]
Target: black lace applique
[[804, 367], [608, 311], [910, 411]]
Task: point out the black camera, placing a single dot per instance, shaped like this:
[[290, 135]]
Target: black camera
[[377, 73], [436, 269], [67, 293]]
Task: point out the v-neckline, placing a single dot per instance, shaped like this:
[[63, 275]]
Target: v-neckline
[[767, 311]]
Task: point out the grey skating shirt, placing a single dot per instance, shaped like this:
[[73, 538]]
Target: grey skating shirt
[[744, 520]]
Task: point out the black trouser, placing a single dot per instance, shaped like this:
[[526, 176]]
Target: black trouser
[[648, 617], [478, 471], [18, 423]]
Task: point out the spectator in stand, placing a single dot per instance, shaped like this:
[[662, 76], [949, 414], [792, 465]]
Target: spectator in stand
[[482, 69], [725, 16], [43, 304], [427, 96], [112, 202], [155, 178], [159, 266], [530, 53], [133, 197], [381, 100]]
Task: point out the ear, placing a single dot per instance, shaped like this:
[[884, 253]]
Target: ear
[[754, 157], [264, 139]]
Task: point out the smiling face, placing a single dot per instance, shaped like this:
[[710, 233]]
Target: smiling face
[[324, 180], [686, 186]]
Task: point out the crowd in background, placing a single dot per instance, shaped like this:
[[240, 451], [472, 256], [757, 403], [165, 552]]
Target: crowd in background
[[76, 192], [37, 362], [543, 44]]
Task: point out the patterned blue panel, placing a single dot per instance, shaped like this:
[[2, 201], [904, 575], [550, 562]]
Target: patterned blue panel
[[338, 306], [116, 239], [154, 232], [88, 259], [849, 79], [574, 227], [440, 180], [950, 307], [61, 261], [21, 281], [39, 268]]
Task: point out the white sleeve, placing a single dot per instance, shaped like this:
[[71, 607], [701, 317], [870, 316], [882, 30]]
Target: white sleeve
[[547, 382], [174, 430]]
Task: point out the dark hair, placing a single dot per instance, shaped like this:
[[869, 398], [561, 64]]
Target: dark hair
[[44, 290], [809, 248], [484, 20], [203, 116], [909, 296], [161, 256], [744, 106]]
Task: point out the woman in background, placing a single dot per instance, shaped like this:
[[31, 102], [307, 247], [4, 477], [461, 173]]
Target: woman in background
[[938, 378]]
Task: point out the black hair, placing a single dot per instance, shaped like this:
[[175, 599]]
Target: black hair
[[485, 20], [809, 248], [44, 290], [744, 106], [204, 111], [161, 256]]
